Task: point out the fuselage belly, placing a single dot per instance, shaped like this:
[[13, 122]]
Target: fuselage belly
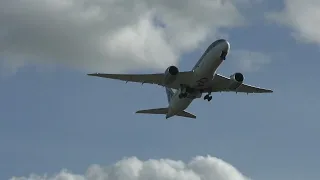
[[203, 72]]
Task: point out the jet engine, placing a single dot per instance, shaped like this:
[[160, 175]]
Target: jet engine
[[171, 74], [236, 80]]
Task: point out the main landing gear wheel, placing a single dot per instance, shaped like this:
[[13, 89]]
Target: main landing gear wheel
[[184, 91], [207, 97], [183, 95]]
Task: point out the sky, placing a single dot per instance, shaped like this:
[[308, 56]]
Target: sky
[[58, 123]]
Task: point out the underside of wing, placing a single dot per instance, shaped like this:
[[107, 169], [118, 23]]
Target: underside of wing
[[245, 88], [141, 78], [221, 83], [159, 78]]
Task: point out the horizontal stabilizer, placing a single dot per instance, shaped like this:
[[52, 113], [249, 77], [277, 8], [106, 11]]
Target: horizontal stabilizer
[[186, 114], [165, 111], [154, 111]]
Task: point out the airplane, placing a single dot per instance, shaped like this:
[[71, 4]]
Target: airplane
[[185, 86]]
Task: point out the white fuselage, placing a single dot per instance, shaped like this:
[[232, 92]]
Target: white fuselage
[[203, 72]]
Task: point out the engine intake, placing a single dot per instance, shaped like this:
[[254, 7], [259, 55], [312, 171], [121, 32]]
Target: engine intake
[[236, 80], [171, 74], [173, 70], [238, 77]]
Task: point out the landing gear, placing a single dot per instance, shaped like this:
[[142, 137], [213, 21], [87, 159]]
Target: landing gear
[[184, 91], [208, 97], [223, 55], [183, 95]]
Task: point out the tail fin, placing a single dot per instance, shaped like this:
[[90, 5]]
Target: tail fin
[[165, 111], [169, 93]]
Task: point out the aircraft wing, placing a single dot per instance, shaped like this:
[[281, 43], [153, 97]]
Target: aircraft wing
[[221, 83], [182, 78]]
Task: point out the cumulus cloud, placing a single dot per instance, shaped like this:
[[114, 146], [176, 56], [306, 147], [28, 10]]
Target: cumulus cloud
[[109, 35], [302, 16], [250, 61], [199, 168]]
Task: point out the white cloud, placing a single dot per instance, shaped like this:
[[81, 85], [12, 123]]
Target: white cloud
[[109, 35], [199, 168], [250, 61], [302, 16]]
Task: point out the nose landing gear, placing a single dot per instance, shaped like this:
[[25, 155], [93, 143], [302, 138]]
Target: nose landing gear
[[223, 55], [208, 97]]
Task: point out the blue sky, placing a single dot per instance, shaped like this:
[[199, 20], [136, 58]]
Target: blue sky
[[59, 118]]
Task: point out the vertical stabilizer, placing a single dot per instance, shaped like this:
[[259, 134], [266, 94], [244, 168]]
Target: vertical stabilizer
[[169, 94]]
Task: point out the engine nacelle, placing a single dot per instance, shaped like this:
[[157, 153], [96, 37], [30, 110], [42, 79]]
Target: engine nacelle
[[236, 80], [171, 74]]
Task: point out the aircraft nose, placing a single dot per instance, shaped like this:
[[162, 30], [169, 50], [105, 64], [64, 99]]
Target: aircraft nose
[[225, 45]]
